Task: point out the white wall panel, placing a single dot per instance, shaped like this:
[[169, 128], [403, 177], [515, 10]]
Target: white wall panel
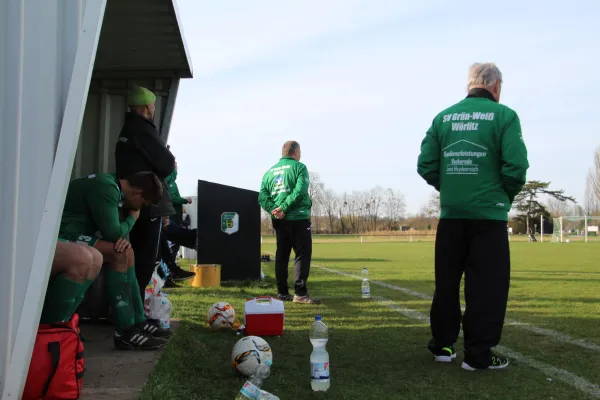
[[39, 51], [39, 41], [47, 49]]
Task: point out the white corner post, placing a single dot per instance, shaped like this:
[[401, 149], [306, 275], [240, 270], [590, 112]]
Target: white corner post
[[542, 228], [85, 55], [586, 228]]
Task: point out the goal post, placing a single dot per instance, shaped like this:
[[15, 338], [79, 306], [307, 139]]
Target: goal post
[[567, 229]]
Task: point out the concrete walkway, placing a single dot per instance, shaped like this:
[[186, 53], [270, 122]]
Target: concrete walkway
[[112, 374]]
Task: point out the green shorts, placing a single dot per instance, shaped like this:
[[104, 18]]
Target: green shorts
[[81, 239]]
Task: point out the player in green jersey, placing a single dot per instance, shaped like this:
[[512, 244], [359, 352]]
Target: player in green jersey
[[92, 216]]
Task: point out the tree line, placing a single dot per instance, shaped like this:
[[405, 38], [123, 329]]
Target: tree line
[[380, 210], [373, 210]]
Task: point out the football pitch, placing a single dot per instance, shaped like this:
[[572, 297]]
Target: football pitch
[[377, 346]]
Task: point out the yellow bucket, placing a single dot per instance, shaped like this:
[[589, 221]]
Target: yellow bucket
[[207, 275]]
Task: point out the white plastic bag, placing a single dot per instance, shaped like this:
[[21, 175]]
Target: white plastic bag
[[152, 289], [160, 309], [154, 286]]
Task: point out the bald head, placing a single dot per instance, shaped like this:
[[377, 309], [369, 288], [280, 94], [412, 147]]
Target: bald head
[[291, 148]]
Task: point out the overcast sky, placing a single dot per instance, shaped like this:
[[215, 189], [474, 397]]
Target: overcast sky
[[357, 83]]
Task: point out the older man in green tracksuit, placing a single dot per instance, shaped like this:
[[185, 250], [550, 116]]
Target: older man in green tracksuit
[[284, 195], [474, 155]]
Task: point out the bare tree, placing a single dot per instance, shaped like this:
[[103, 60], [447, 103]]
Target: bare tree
[[432, 208], [576, 210], [315, 188], [374, 207], [330, 207], [315, 191], [557, 207], [394, 207], [591, 204], [594, 176], [266, 226]]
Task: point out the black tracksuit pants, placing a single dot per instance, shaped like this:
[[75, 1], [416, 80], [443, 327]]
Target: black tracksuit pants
[[293, 235], [144, 239], [480, 250]]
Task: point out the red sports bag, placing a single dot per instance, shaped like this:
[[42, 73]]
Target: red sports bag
[[56, 368]]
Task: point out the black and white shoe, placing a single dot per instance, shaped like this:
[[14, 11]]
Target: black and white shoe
[[178, 274], [497, 363], [445, 354], [134, 339], [152, 327], [285, 297]]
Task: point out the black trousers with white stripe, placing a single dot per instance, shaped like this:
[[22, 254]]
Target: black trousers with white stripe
[[480, 250]]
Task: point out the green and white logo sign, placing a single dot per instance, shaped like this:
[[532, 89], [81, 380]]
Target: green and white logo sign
[[230, 222]]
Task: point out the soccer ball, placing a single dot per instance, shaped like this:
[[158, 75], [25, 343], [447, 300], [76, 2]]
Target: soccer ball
[[220, 316], [248, 353]]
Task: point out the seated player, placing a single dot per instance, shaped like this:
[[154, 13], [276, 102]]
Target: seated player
[[74, 268], [91, 216]]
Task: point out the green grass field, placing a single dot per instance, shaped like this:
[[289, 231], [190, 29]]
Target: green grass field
[[378, 346]]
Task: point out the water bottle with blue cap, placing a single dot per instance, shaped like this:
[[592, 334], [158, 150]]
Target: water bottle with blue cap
[[319, 358]]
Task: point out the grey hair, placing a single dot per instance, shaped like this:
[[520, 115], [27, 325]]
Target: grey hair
[[483, 75]]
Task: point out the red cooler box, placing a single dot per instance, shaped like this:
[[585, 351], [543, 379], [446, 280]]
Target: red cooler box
[[264, 316]]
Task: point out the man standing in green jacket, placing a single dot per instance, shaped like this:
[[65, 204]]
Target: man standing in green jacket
[[474, 155], [284, 195]]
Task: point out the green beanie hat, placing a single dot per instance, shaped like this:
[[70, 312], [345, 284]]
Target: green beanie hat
[[140, 96]]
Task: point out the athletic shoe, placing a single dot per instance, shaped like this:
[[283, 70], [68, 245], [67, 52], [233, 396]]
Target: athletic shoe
[[134, 339], [159, 331], [285, 297], [445, 354], [178, 274], [497, 363], [306, 300], [170, 284]]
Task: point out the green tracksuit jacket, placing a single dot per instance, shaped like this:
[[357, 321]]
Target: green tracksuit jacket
[[475, 156], [92, 208], [285, 185]]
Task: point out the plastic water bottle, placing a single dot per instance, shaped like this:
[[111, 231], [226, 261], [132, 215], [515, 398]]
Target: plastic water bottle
[[366, 287], [251, 389], [319, 358], [264, 395]]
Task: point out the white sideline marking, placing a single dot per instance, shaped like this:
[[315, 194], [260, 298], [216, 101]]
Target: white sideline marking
[[561, 337], [569, 378]]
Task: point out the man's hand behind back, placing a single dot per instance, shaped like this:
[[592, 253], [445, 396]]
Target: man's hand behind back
[[277, 213]]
